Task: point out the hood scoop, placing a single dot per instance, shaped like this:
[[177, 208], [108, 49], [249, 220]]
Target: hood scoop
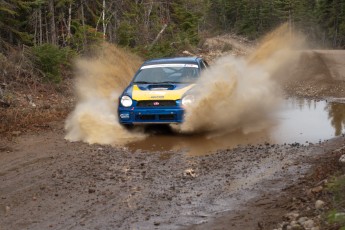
[[161, 87]]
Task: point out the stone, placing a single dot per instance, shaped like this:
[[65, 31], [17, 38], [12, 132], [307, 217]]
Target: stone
[[294, 223], [302, 220], [292, 216], [319, 204], [342, 162], [190, 172], [342, 159], [317, 189], [309, 224]]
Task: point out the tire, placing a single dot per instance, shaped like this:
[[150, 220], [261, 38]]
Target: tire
[[128, 126]]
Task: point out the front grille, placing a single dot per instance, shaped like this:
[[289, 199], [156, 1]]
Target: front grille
[[167, 117], [159, 103], [145, 117], [154, 118]]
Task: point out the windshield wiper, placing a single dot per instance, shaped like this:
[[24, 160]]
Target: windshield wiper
[[172, 82], [143, 82]]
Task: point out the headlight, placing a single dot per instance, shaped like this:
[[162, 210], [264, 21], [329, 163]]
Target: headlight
[[126, 101], [187, 100]]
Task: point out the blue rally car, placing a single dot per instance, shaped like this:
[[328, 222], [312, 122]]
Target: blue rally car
[[159, 91]]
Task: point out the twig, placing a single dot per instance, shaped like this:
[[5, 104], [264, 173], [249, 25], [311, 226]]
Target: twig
[[158, 35]]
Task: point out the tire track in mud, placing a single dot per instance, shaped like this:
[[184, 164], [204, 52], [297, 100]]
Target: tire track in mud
[[80, 186]]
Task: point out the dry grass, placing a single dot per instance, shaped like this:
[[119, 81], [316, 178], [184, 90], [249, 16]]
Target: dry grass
[[18, 119], [21, 85]]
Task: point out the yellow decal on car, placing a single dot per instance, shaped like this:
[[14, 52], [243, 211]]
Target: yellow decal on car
[[164, 94]]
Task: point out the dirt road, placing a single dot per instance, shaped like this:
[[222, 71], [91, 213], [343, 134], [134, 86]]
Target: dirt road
[[47, 182]]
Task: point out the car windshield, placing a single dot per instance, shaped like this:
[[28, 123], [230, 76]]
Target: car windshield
[[167, 73]]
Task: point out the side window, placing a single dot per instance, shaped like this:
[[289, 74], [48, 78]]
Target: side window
[[203, 65]]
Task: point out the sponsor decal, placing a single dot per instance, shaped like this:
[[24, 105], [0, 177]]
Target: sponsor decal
[[157, 97]]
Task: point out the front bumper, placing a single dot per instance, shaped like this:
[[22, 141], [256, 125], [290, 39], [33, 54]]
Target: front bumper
[[135, 115]]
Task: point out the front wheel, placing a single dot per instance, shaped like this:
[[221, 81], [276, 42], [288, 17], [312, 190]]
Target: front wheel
[[128, 126]]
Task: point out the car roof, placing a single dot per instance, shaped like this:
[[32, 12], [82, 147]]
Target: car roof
[[187, 60]]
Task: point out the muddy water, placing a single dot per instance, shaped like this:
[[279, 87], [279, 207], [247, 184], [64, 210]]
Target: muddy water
[[298, 120], [236, 86], [306, 121], [241, 83], [99, 80]]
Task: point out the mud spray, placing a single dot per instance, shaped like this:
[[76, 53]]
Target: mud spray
[[99, 81], [242, 93], [234, 94]]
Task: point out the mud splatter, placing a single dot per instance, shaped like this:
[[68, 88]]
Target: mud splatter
[[240, 93], [235, 94], [99, 81]]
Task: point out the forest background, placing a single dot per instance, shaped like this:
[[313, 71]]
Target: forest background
[[49, 33]]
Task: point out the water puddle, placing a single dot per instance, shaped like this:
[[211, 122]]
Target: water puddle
[[299, 120], [303, 121]]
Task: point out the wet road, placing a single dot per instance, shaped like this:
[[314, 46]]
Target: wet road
[[298, 120], [50, 183]]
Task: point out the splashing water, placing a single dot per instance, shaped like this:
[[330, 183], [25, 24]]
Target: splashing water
[[99, 82], [241, 93], [234, 94]]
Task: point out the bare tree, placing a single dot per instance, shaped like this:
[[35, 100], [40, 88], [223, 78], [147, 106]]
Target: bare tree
[[52, 22], [103, 19], [69, 20]]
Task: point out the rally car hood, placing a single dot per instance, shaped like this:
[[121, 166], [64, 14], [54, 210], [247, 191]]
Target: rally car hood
[[140, 92]]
